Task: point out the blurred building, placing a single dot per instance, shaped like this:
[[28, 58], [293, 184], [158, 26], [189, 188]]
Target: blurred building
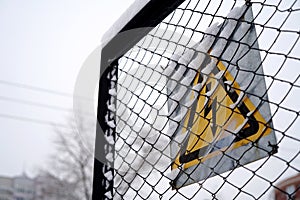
[[288, 189], [6, 188], [23, 188], [17, 188], [40, 188], [51, 188]]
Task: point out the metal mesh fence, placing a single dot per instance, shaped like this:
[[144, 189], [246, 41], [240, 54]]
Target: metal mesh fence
[[207, 104]]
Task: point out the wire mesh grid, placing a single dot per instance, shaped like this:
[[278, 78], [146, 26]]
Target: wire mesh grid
[[147, 89]]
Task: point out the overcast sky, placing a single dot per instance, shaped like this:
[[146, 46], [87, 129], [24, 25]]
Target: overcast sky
[[43, 44]]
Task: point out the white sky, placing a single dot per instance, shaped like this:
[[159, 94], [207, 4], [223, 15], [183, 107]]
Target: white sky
[[43, 44]]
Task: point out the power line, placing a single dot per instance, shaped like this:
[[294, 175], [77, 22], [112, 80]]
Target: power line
[[39, 89], [30, 103], [37, 121]]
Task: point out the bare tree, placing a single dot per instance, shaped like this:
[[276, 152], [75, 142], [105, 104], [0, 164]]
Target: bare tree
[[50, 187], [72, 162]]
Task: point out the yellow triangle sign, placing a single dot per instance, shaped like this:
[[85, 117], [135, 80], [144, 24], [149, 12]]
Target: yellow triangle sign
[[222, 119]]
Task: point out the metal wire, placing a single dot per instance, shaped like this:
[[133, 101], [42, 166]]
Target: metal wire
[[143, 145]]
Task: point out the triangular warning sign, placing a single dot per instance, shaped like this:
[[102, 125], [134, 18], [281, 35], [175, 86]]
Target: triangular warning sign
[[222, 119], [229, 123]]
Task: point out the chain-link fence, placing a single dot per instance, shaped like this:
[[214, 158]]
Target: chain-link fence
[[206, 104]]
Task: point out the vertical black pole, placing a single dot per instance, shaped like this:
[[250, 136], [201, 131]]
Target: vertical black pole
[[152, 13], [103, 167]]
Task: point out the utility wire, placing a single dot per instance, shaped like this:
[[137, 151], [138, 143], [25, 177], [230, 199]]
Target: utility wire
[[53, 107], [37, 121], [39, 89]]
